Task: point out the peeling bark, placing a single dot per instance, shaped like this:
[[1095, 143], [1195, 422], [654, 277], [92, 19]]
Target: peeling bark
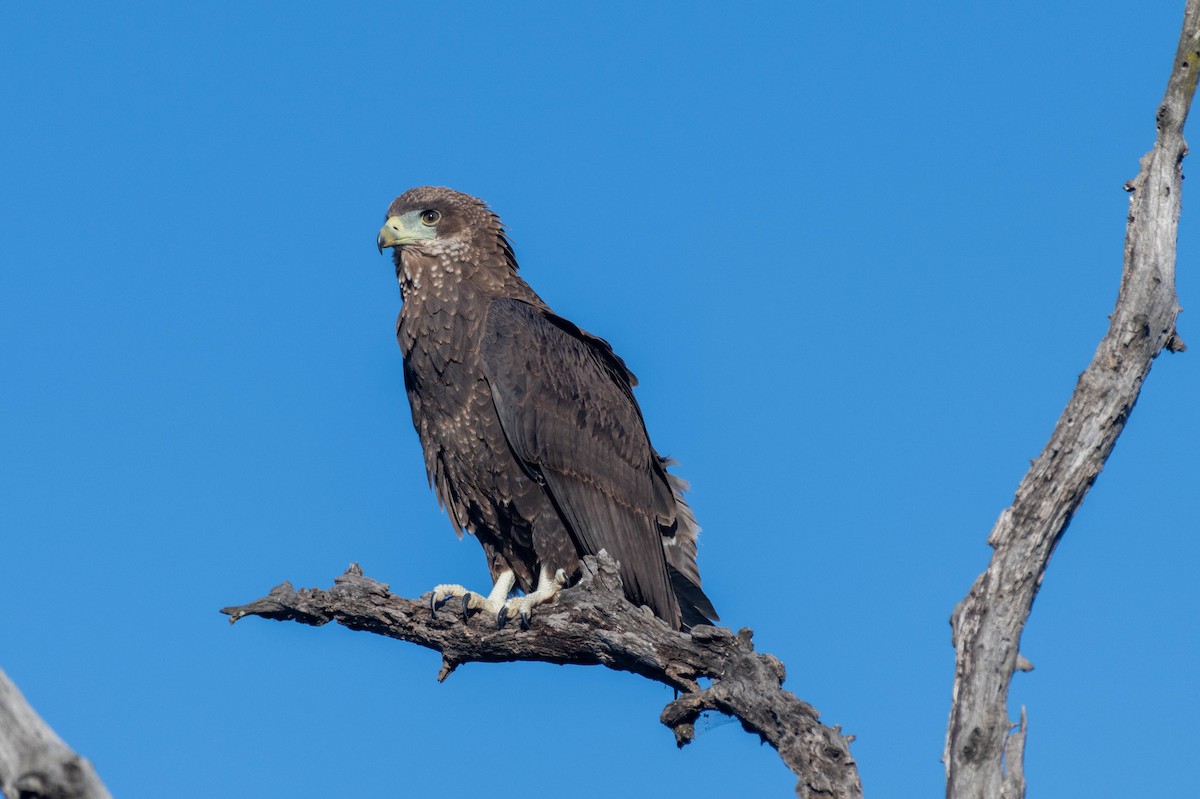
[[987, 623], [593, 624]]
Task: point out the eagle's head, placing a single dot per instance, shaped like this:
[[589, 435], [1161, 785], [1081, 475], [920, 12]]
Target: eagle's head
[[433, 223]]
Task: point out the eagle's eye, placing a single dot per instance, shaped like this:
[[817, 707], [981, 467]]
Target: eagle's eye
[[430, 217]]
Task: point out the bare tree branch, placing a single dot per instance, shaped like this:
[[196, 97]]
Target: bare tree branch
[[987, 624], [34, 762], [592, 623]]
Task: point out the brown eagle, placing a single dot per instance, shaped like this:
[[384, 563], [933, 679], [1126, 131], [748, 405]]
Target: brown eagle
[[533, 440]]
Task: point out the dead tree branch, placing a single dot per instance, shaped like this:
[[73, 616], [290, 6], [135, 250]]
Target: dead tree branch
[[592, 623], [34, 762], [987, 624]]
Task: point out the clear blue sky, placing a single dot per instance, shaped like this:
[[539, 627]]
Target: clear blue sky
[[856, 252]]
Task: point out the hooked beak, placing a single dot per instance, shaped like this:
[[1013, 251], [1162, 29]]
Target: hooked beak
[[394, 233]]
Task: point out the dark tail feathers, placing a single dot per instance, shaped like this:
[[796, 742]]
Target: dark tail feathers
[[694, 607]]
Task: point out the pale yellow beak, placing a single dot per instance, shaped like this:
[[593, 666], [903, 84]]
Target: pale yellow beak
[[394, 233]]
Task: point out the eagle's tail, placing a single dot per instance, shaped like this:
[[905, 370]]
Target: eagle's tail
[[694, 606]]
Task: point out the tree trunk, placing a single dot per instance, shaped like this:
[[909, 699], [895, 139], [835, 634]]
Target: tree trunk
[[34, 762]]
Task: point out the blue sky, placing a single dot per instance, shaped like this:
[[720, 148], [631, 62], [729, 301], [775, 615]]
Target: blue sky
[[857, 254]]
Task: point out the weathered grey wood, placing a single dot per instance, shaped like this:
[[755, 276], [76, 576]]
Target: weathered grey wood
[[987, 624], [34, 762], [592, 623]]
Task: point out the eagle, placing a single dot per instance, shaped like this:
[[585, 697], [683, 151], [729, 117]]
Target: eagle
[[532, 438]]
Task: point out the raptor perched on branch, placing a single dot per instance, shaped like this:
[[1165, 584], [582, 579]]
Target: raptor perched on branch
[[533, 440]]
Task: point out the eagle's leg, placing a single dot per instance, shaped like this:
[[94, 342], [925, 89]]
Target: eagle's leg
[[547, 588], [493, 602]]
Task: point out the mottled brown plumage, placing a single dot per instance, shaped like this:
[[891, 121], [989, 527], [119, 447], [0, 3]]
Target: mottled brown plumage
[[533, 440]]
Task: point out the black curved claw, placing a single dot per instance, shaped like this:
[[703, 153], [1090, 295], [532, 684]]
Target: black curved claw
[[526, 619], [502, 618], [466, 606], [435, 605]]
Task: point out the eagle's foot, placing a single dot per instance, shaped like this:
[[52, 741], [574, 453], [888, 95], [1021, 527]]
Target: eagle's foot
[[522, 607], [471, 601]]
